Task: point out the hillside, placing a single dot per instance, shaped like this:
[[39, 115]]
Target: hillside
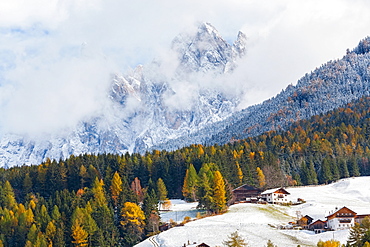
[[328, 87], [252, 221]]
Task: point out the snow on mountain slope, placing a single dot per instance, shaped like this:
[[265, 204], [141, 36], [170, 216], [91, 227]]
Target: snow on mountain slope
[[330, 86], [169, 98], [252, 220]]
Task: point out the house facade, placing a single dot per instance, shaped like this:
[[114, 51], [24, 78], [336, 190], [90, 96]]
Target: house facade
[[343, 218], [246, 193], [278, 195]]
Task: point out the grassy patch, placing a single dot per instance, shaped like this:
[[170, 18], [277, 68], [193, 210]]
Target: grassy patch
[[275, 212]]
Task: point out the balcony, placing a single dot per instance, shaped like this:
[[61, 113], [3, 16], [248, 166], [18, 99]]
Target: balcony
[[345, 221]]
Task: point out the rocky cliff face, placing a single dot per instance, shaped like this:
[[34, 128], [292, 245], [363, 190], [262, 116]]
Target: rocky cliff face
[[150, 105]]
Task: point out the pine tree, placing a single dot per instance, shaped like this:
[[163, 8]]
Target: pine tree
[[205, 192], [343, 168], [312, 174], [219, 192], [326, 175], [270, 244], [235, 240], [116, 187], [162, 191], [190, 182]]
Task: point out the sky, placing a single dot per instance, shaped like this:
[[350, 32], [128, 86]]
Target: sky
[[57, 57]]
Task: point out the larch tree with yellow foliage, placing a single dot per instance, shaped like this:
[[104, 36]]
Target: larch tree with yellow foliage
[[116, 187], [261, 177], [133, 223], [219, 192], [239, 173], [328, 243], [79, 235]]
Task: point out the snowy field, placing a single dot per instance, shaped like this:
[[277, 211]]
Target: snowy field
[[253, 221]]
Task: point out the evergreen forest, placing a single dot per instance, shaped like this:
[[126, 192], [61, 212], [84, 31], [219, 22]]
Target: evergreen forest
[[111, 200]]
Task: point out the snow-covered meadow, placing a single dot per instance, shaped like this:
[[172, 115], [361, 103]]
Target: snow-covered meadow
[[253, 222]]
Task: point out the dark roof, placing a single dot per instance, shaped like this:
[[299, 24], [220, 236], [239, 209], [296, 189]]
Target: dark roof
[[317, 221], [203, 245], [308, 217], [247, 187]]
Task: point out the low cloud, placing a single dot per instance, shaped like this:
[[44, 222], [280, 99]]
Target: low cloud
[[57, 57]]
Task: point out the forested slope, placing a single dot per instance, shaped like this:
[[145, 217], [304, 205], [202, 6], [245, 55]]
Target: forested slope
[[328, 87], [90, 198]]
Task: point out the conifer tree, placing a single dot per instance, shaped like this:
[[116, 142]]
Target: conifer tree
[[116, 187], [326, 175], [312, 174], [27, 184], [32, 234], [205, 192], [219, 192], [235, 240], [43, 218], [98, 192], [7, 197], [270, 244], [261, 177], [50, 232], [190, 182], [133, 222], [79, 235], [239, 173], [162, 190]]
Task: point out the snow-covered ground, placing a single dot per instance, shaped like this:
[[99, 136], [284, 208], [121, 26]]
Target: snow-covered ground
[[253, 221]]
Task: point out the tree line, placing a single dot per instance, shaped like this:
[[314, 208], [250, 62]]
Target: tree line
[[89, 199]]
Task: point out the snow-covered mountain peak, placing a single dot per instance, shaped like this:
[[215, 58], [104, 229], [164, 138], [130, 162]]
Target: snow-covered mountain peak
[[240, 44], [166, 99], [207, 51]]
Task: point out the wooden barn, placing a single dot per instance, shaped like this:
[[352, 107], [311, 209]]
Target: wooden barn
[[246, 193], [318, 226], [305, 221]]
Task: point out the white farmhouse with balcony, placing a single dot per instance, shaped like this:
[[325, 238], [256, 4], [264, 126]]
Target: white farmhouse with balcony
[[343, 218], [278, 195]]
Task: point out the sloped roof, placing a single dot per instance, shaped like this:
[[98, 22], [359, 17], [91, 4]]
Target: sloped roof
[[343, 208], [317, 221], [247, 187], [270, 191]]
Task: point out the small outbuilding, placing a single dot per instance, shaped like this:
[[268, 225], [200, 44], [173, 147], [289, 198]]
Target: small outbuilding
[[318, 226], [305, 221]]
